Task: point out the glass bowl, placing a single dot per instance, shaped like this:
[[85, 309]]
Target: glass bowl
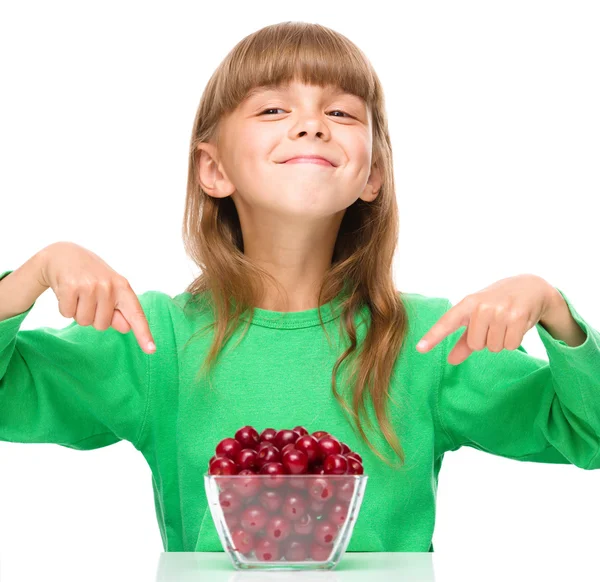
[[285, 522]]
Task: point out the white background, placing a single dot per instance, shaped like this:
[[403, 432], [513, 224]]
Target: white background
[[494, 120]]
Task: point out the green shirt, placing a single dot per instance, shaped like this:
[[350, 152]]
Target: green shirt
[[84, 389]]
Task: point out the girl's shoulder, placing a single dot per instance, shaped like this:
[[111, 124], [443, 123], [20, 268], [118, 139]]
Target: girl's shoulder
[[423, 306]]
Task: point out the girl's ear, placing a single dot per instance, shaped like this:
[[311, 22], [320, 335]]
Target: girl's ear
[[210, 173], [373, 185]]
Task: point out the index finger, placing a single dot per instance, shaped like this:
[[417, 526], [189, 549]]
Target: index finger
[[133, 312], [444, 326]]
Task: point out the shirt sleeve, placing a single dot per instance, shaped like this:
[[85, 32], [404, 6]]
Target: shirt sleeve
[[517, 406], [78, 387]]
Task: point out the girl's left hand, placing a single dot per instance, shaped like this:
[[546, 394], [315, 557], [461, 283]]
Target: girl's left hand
[[496, 317]]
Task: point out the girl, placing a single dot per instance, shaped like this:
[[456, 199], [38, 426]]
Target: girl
[[291, 213]]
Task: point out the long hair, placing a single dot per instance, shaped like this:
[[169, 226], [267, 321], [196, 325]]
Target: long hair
[[361, 266]]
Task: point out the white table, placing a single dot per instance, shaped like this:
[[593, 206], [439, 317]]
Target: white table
[[37, 565]]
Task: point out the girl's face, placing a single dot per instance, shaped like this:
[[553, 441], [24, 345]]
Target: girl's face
[[274, 124]]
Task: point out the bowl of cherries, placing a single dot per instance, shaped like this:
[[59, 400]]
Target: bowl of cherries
[[284, 499]]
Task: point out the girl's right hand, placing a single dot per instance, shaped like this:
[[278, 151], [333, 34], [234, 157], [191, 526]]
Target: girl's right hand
[[91, 292]]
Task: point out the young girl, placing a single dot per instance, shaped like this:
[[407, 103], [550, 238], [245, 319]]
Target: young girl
[[295, 318]]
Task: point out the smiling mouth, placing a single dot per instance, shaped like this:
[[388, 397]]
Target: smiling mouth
[[318, 161]]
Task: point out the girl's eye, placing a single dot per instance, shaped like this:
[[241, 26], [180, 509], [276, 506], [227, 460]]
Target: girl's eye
[[279, 109]]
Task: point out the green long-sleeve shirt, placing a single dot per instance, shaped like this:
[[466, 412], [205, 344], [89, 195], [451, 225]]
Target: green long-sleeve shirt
[[84, 389]]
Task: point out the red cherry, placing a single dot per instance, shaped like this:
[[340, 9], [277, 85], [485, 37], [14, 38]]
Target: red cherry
[[248, 437], [232, 520], [248, 485], [321, 489], [267, 435], [295, 550], [278, 528], [267, 453], [355, 467], [335, 465], [294, 506], [284, 437], [267, 550], [345, 448], [319, 433], [246, 458], [228, 448], [230, 501], [353, 455], [325, 533], [309, 445], [319, 553], [223, 466], [276, 472], [328, 445], [345, 490], [294, 462], [338, 513], [243, 541], [287, 447], [254, 518], [270, 500], [300, 430], [305, 525], [299, 482], [317, 469], [316, 507]]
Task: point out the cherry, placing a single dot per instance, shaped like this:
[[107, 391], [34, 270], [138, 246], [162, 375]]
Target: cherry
[[248, 437], [336, 464], [246, 458], [270, 500], [232, 520], [230, 501], [278, 528], [294, 462], [294, 506], [355, 467], [338, 513], [243, 541], [228, 448], [325, 533], [297, 482], [310, 446], [345, 490], [319, 553], [300, 430], [248, 485], [319, 433], [321, 489], [284, 437], [223, 466], [267, 435], [267, 453], [328, 445], [353, 455], [267, 550], [305, 525], [287, 447], [295, 550], [254, 518], [276, 471], [345, 449], [317, 507]]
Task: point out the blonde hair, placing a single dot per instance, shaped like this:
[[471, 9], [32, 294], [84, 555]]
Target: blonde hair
[[361, 267]]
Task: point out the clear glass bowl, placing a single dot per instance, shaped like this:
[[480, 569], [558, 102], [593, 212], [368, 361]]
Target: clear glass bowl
[[285, 522]]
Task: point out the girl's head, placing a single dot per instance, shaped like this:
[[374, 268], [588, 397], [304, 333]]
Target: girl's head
[[286, 90]]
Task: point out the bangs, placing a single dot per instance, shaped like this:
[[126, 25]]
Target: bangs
[[274, 56]]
